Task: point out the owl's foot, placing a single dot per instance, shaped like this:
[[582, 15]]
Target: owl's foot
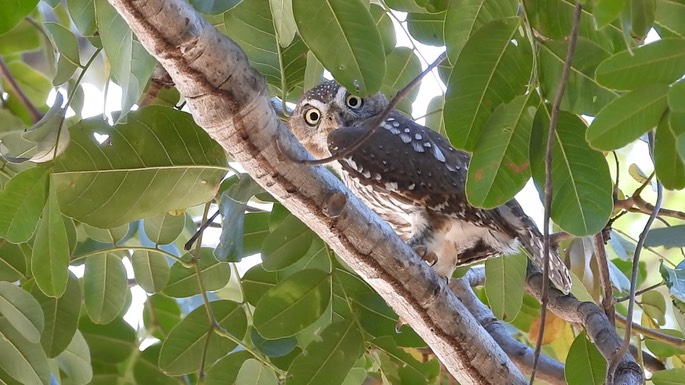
[[399, 324], [426, 255]]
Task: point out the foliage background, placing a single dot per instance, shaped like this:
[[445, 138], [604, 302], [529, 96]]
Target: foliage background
[[86, 192]]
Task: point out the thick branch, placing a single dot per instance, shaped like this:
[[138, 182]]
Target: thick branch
[[229, 100]]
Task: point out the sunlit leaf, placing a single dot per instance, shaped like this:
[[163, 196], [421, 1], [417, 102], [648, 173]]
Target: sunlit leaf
[[498, 71], [23, 360], [504, 282], [151, 270], [627, 117], [104, 287], [109, 343], [61, 316], [157, 162], [344, 38], [13, 12], [183, 351], [21, 202], [75, 360], [584, 364], [183, 281], [22, 311]]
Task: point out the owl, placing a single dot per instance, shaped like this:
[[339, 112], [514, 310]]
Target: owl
[[415, 180]]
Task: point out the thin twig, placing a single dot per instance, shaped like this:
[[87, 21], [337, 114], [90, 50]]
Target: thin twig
[[18, 92], [604, 278], [651, 333], [548, 178], [375, 121], [642, 291], [613, 363]]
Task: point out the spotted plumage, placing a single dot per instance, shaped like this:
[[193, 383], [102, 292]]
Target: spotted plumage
[[414, 179]]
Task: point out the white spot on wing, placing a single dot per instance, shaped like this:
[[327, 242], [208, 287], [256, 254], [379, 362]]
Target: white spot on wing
[[418, 147], [405, 138], [438, 154]]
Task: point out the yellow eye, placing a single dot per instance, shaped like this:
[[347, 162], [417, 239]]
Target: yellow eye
[[354, 102], [312, 116]]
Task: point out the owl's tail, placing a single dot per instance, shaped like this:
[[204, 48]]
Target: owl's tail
[[532, 241]]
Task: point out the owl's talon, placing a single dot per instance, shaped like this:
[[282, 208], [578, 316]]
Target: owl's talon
[[399, 324], [426, 255]]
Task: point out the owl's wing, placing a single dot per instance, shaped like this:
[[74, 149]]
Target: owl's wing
[[418, 166], [411, 162]]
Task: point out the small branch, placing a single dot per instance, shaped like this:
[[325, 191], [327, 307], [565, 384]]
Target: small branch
[[594, 321], [614, 361], [16, 89], [549, 370], [651, 333], [642, 291], [604, 277], [554, 118], [635, 204]]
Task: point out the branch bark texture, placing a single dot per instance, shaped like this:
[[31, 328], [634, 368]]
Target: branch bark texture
[[229, 100]]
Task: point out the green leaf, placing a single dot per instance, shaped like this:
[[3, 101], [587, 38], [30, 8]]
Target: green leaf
[[505, 278], [660, 62], [669, 16], [22, 311], [146, 370], [669, 377], [584, 364], [582, 195], [183, 281], [500, 165], [465, 17], [293, 304], [664, 349], [642, 14], [676, 97], [498, 71], [82, 13], [75, 361], [12, 261], [427, 28], [21, 202], [65, 41], [401, 67], [286, 244], [254, 30], [232, 205], [328, 360], [434, 118], [256, 282], [23, 360], [405, 5], [105, 286], [554, 19], [344, 38], [653, 304], [51, 251], [313, 74], [668, 163], [151, 270], [130, 63], [157, 162], [109, 343], [385, 28], [606, 11], [409, 367], [255, 230], [182, 352], [24, 37], [13, 12], [254, 372], [273, 348], [284, 21], [668, 237], [226, 369], [161, 314], [111, 235], [627, 117], [164, 228], [61, 316], [583, 95]]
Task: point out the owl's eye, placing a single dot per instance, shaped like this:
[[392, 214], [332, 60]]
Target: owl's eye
[[312, 116], [354, 102]]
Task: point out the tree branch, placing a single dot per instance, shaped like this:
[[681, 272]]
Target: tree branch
[[596, 323], [230, 101], [548, 369]]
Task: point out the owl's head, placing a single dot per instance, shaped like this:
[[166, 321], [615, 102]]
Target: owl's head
[[327, 107]]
